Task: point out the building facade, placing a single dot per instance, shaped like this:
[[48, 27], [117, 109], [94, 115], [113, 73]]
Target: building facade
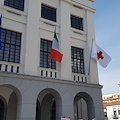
[[111, 104], [34, 87]]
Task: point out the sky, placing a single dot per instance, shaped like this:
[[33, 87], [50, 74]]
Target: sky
[[107, 35]]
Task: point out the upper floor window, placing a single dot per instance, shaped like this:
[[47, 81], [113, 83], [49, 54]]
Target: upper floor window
[[48, 13], [17, 4], [11, 45], [77, 59], [45, 51], [76, 22]]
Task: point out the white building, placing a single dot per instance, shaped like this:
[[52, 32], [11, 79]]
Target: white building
[[33, 87], [112, 106]]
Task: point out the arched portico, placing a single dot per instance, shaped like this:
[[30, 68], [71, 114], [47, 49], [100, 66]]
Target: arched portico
[[48, 105], [83, 106], [9, 102]]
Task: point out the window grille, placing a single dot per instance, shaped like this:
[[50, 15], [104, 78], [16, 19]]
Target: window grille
[[45, 51], [11, 46], [77, 22], [77, 60], [17, 4], [48, 13]]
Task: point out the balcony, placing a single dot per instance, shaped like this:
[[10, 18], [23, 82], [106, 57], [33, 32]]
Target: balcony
[[50, 73], [11, 67], [42, 72], [79, 77]]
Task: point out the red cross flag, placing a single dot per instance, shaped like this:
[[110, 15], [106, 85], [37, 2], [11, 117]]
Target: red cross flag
[[100, 55]]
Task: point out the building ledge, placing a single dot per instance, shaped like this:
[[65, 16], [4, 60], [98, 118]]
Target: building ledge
[[92, 0], [111, 103], [45, 79], [83, 6], [13, 11]]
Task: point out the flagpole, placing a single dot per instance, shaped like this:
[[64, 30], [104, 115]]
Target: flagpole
[[0, 31], [90, 58]]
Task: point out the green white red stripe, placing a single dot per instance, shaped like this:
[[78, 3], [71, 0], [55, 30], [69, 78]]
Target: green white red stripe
[[55, 52]]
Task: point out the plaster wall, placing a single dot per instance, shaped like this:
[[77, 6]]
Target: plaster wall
[[33, 28]]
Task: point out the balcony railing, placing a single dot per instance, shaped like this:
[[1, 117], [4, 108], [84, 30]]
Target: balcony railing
[[11, 67], [45, 72], [79, 77]]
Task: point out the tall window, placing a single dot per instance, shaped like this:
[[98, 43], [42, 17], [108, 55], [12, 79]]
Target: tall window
[[48, 13], [118, 111], [11, 45], [45, 51], [114, 113], [76, 22], [17, 4], [77, 59]]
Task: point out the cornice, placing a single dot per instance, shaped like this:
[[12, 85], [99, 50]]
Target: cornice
[[51, 80]]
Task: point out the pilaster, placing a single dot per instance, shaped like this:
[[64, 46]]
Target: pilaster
[[32, 38], [65, 40]]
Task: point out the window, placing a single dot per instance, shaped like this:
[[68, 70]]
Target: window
[[17, 4], [11, 45], [76, 22], [45, 51], [118, 111], [48, 13], [114, 113], [77, 60], [105, 114]]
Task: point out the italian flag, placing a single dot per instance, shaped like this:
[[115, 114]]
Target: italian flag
[[55, 52]]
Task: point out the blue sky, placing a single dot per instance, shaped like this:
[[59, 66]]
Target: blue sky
[[107, 34]]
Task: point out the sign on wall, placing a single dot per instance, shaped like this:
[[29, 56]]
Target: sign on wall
[[65, 118]]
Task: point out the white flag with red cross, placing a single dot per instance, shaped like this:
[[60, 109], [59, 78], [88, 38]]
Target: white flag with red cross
[[100, 55]]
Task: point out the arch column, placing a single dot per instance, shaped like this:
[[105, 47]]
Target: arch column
[[67, 106], [58, 108], [26, 109], [46, 107], [47, 97], [12, 107]]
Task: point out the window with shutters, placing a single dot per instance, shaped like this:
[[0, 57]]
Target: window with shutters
[[77, 22], [11, 46], [77, 60], [45, 51], [17, 4], [48, 13]]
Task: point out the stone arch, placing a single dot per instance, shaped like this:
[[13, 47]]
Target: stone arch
[[50, 102], [84, 106], [12, 107], [12, 96], [13, 88]]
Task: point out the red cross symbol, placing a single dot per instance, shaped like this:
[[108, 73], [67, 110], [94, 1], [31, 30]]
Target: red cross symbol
[[99, 55]]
